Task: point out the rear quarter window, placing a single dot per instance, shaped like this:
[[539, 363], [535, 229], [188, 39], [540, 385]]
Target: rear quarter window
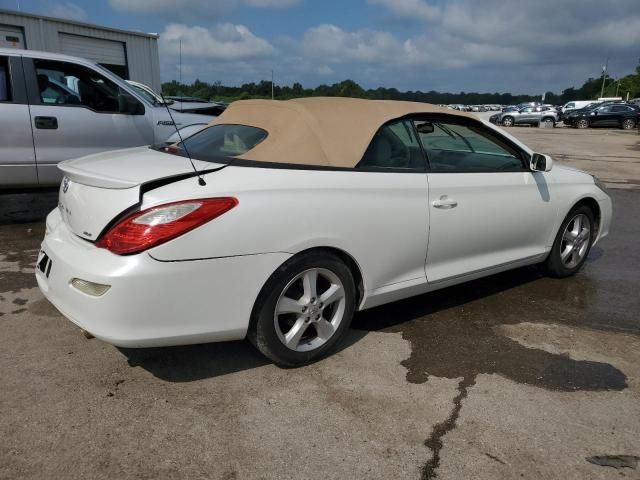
[[223, 140]]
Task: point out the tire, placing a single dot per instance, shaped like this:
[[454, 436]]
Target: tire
[[628, 124], [564, 261], [319, 326], [508, 121], [582, 123]]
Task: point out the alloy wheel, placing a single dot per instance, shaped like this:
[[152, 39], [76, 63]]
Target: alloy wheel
[[507, 121], [582, 123], [628, 124], [575, 241], [310, 309]]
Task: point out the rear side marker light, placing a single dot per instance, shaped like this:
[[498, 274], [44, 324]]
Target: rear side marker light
[[156, 225], [90, 288]]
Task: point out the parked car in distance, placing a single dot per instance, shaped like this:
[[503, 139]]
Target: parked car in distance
[[526, 116], [625, 116], [55, 107], [575, 105], [282, 244], [210, 109], [567, 118]]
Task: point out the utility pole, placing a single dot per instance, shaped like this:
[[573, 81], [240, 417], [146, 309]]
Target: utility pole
[[604, 76], [180, 50], [272, 96]]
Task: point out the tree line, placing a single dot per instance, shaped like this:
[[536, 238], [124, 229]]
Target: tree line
[[348, 88]]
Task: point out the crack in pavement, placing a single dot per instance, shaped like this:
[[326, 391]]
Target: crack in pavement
[[434, 442]]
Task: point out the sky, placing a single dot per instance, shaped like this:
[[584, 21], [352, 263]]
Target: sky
[[517, 46]]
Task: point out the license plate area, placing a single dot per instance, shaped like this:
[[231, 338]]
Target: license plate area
[[44, 263]]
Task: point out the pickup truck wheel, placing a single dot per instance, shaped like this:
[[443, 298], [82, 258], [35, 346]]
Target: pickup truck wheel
[[507, 121]]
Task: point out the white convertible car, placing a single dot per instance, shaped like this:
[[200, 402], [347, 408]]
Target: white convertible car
[[300, 213]]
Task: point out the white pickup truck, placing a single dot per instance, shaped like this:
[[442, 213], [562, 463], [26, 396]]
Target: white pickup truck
[[56, 107]]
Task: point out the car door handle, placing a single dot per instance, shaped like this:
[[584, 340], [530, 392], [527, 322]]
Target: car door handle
[[46, 123], [445, 203]]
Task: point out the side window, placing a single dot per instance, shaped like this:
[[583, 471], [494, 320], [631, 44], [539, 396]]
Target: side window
[[620, 108], [62, 83], [394, 146], [452, 147], [605, 109], [570, 105], [5, 83]]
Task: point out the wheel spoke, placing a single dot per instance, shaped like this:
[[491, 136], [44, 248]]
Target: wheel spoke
[[325, 329], [288, 305], [569, 236], [293, 336], [333, 293], [577, 224], [564, 255], [310, 284]]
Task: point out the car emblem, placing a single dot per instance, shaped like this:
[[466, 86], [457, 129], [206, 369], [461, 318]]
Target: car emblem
[[65, 185]]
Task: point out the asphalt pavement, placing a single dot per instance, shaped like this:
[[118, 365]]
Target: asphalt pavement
[[512, 376]]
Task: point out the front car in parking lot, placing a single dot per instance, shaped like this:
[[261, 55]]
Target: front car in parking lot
[[306, 211]]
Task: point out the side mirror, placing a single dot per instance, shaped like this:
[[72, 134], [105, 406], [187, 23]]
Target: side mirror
[[129, 105], [540, 163], [425, 127]]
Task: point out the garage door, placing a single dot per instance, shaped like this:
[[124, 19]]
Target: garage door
[[99, 50], [11, 37]]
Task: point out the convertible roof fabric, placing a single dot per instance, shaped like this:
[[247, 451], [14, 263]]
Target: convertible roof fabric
[[319, 131]]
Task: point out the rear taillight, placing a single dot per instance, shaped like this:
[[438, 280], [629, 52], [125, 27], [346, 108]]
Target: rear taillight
[[153, 226]]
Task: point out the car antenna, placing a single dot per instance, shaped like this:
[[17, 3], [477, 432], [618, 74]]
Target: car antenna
[[201, 181]]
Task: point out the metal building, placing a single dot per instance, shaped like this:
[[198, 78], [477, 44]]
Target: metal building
[[132, 55]]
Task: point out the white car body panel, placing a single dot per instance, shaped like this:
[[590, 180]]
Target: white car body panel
[[202, 285], [143, 307]]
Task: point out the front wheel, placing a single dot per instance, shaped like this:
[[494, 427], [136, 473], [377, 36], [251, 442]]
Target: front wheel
[[304, 309], [582, 123], [572, 243]]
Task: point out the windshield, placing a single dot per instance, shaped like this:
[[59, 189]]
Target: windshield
[[221, 140]]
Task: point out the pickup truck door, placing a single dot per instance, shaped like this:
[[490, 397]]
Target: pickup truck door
[[77, 110], [17, 158]]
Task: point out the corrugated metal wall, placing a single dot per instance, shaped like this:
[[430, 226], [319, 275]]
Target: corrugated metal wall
[[42, 33]]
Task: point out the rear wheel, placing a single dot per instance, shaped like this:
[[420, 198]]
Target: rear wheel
[[572, 243], [628, 124], [582, 123], [508, 121], [304, 309]]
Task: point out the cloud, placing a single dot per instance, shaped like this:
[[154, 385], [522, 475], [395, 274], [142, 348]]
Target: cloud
[[67, 10], [194, 8], [414, 9], [334, 45], [224, 42], [497, 45]]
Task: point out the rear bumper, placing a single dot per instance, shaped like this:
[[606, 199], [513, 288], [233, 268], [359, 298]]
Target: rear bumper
[[149, 302]]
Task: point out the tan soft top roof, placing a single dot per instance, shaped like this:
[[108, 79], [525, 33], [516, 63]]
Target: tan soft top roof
[[323, 131]]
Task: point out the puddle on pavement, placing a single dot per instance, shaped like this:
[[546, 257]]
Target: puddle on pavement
[[19, 244]]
